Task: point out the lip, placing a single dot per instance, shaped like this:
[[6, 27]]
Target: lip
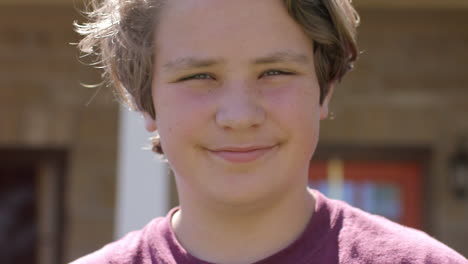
[[242, 154]]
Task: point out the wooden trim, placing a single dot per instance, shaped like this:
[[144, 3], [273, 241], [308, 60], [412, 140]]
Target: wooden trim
[[413, 4], [398, 153], [39, 2], [50, 164], [326, 151]]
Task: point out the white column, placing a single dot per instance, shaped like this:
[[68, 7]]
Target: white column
[[142, 180]]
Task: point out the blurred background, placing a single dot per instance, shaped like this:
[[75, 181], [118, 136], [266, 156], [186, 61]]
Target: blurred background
[[74, 176]]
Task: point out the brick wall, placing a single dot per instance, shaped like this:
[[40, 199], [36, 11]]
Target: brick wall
[[410, 88], [42, 104]]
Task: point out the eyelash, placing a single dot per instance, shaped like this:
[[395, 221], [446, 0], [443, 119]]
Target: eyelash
[[277, 72], [205, 76], [196, 77]]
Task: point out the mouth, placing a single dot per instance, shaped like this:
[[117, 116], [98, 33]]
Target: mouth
[[236, 154]]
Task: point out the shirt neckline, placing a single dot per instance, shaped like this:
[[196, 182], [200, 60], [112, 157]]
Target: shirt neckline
[[314, 235]]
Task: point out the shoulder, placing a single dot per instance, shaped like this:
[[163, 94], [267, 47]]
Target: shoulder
[[133, 248], [367, 236]]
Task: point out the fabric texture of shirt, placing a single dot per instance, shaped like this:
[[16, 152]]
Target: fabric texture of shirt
[[336, 233]]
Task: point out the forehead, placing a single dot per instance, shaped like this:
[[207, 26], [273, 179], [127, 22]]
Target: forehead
[[216, 11], [227, 27]]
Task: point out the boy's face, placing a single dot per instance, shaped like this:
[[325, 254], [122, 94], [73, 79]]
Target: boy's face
[[236, 99]]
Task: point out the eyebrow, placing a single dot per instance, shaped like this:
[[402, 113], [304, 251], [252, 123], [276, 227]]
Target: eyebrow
[[275, 57], [191, 62], [283, 56]]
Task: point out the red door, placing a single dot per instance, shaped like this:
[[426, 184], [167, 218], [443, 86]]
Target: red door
[[388, 188]]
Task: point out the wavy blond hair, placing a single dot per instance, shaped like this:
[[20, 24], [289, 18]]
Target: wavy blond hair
[[120, 34]]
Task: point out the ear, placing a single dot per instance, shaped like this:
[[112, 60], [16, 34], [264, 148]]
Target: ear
[[326, 101], [150, 123]]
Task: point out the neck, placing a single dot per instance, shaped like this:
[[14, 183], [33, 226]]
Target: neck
[[226, 231]]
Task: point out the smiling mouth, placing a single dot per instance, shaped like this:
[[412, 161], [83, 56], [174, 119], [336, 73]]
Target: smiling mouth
[[242, 155]]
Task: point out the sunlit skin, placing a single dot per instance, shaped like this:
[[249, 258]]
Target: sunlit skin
[[237, 108]]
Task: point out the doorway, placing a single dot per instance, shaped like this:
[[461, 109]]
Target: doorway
[[31, 206], [387, 181]]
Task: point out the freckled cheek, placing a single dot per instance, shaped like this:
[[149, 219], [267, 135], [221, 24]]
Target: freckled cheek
[[182, 115], [294, 103], [297, 112]]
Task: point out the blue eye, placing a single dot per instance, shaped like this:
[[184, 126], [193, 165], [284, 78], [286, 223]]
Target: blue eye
[[199, 76], [275, 73]]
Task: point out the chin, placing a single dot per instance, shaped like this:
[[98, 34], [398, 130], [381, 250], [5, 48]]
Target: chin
[[248, 192]]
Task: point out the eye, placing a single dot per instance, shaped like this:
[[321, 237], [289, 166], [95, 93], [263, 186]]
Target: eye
[[198, 76], [275, 73]]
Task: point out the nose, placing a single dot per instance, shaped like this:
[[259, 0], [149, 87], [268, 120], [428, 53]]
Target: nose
[[240, 109]]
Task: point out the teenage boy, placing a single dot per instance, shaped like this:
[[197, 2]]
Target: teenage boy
[[236, 91]]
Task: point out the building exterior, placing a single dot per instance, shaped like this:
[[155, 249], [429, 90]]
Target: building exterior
[[408, 94]]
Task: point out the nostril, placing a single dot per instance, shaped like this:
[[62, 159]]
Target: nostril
[[241, 116]]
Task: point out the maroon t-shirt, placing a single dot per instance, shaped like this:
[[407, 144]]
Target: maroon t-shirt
[[337, 233]]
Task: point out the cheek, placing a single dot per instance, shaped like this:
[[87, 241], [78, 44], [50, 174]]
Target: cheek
[[295, 103], [296, 110], [179, 115]]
